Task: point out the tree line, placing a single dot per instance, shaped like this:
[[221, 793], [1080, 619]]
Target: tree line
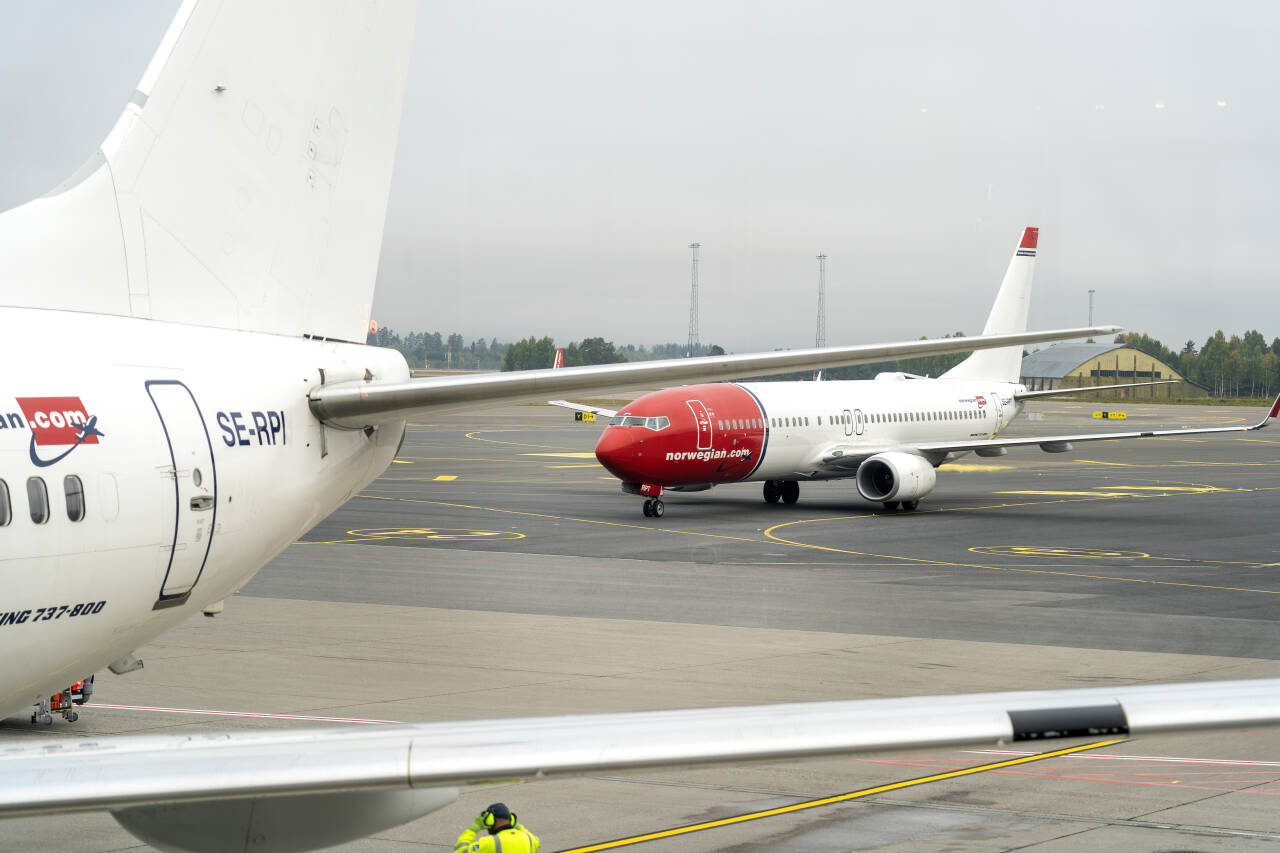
[[1237, 366], [433, 350]]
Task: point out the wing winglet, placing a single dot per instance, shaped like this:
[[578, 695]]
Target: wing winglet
[[1272, 415]]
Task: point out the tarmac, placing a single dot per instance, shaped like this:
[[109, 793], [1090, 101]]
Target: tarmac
[[496, 570]]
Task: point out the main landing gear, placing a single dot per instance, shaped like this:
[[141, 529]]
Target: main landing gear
[[788, 491], [654, 508], [908, 506], [63, 703]]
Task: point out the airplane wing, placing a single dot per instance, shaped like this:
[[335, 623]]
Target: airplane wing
[[1058, 392], [368, 402], [187, 791], [578, 407]]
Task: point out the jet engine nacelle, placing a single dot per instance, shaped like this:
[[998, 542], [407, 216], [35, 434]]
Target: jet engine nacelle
[[895, 476]]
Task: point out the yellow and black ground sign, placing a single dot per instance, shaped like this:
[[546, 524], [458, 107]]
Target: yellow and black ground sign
[[584, 416], [1111, 416]]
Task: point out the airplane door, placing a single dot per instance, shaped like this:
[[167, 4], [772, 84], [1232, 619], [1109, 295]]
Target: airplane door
[[999, 404], [704, 423], [858, 420], [195, 488], [847, 419]]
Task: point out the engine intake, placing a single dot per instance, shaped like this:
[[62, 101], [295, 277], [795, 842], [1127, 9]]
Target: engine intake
[[895, 476]]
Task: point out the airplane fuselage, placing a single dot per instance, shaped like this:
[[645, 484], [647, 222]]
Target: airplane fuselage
[[151, 469], [730, 432]]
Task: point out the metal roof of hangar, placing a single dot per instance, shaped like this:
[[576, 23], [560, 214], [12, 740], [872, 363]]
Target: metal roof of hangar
[[1061, 359]]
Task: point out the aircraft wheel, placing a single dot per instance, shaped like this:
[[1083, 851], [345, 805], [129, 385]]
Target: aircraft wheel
[[890, 505], [790, 491], [658, 508], [910, 506], [771, 492], [648, 508]]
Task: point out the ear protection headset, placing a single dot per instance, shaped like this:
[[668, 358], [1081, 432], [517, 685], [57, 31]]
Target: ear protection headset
[[489, 820]]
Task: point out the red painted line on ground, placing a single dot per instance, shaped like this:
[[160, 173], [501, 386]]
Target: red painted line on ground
[[204, 711]]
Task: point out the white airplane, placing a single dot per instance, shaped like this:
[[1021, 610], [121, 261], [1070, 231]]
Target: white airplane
[[888, 434], [188, 398]]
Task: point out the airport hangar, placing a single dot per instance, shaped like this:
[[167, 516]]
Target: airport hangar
[[1085, 364]]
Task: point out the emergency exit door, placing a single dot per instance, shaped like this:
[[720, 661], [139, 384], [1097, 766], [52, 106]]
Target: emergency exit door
[[193, 484]]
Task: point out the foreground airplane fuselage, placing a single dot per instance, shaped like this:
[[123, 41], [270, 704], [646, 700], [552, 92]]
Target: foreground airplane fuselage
[[786, 431], [147, 470]]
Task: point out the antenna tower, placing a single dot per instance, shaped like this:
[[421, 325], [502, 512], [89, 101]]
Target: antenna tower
[[820, 339], [693, 304]]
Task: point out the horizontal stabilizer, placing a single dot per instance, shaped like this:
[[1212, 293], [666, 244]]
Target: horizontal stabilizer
[[578, 407], [1058, 392]]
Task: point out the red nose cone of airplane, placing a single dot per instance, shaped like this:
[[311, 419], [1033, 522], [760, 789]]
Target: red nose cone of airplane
[[619, 451]]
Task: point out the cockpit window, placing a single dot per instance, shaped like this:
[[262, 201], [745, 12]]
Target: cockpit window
[[637, 421]]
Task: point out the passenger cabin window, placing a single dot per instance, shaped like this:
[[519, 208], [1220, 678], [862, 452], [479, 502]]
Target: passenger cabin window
[[6, 511], [74, 491], [38, 500]]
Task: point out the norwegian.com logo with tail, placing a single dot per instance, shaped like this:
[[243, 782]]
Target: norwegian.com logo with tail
[[56, 423]]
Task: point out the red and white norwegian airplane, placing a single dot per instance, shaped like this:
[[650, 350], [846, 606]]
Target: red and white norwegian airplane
[[216, 259], [888, 434]]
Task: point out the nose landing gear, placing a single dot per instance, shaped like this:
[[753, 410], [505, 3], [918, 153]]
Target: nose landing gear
[[654, 508]]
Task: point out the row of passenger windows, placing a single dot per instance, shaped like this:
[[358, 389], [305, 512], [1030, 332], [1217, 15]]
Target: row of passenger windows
[[38, 500], [902, 417], [872, 418]]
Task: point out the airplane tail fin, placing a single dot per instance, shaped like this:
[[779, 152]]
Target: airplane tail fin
[[245, 186], [559, 359], [1008, 314]]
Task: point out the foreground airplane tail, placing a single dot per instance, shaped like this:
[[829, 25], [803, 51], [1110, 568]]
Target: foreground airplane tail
[[245, 185], [1008, 314]]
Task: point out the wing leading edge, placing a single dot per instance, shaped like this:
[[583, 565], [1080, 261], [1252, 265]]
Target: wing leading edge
[[355, 405]]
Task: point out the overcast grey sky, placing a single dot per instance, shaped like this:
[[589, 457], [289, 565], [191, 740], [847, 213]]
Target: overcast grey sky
[[557, 158]]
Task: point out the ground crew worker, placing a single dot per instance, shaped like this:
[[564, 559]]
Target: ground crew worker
[[505, 834]]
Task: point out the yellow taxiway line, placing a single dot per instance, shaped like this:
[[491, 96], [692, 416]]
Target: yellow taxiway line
[[839, 798]]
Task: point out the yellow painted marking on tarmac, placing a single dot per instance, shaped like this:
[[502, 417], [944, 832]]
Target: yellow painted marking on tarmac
[[1099, 462], [475, 436], [839, 798], [402, 461], [554, 518], [445, 477], [1228, 464], [769, 533], [1049, 551], [1068, 494], [1194, 489], [449, 534], [564, 455], [968, 468]]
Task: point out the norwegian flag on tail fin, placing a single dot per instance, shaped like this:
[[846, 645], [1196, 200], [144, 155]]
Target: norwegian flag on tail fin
[[1027, 248]]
